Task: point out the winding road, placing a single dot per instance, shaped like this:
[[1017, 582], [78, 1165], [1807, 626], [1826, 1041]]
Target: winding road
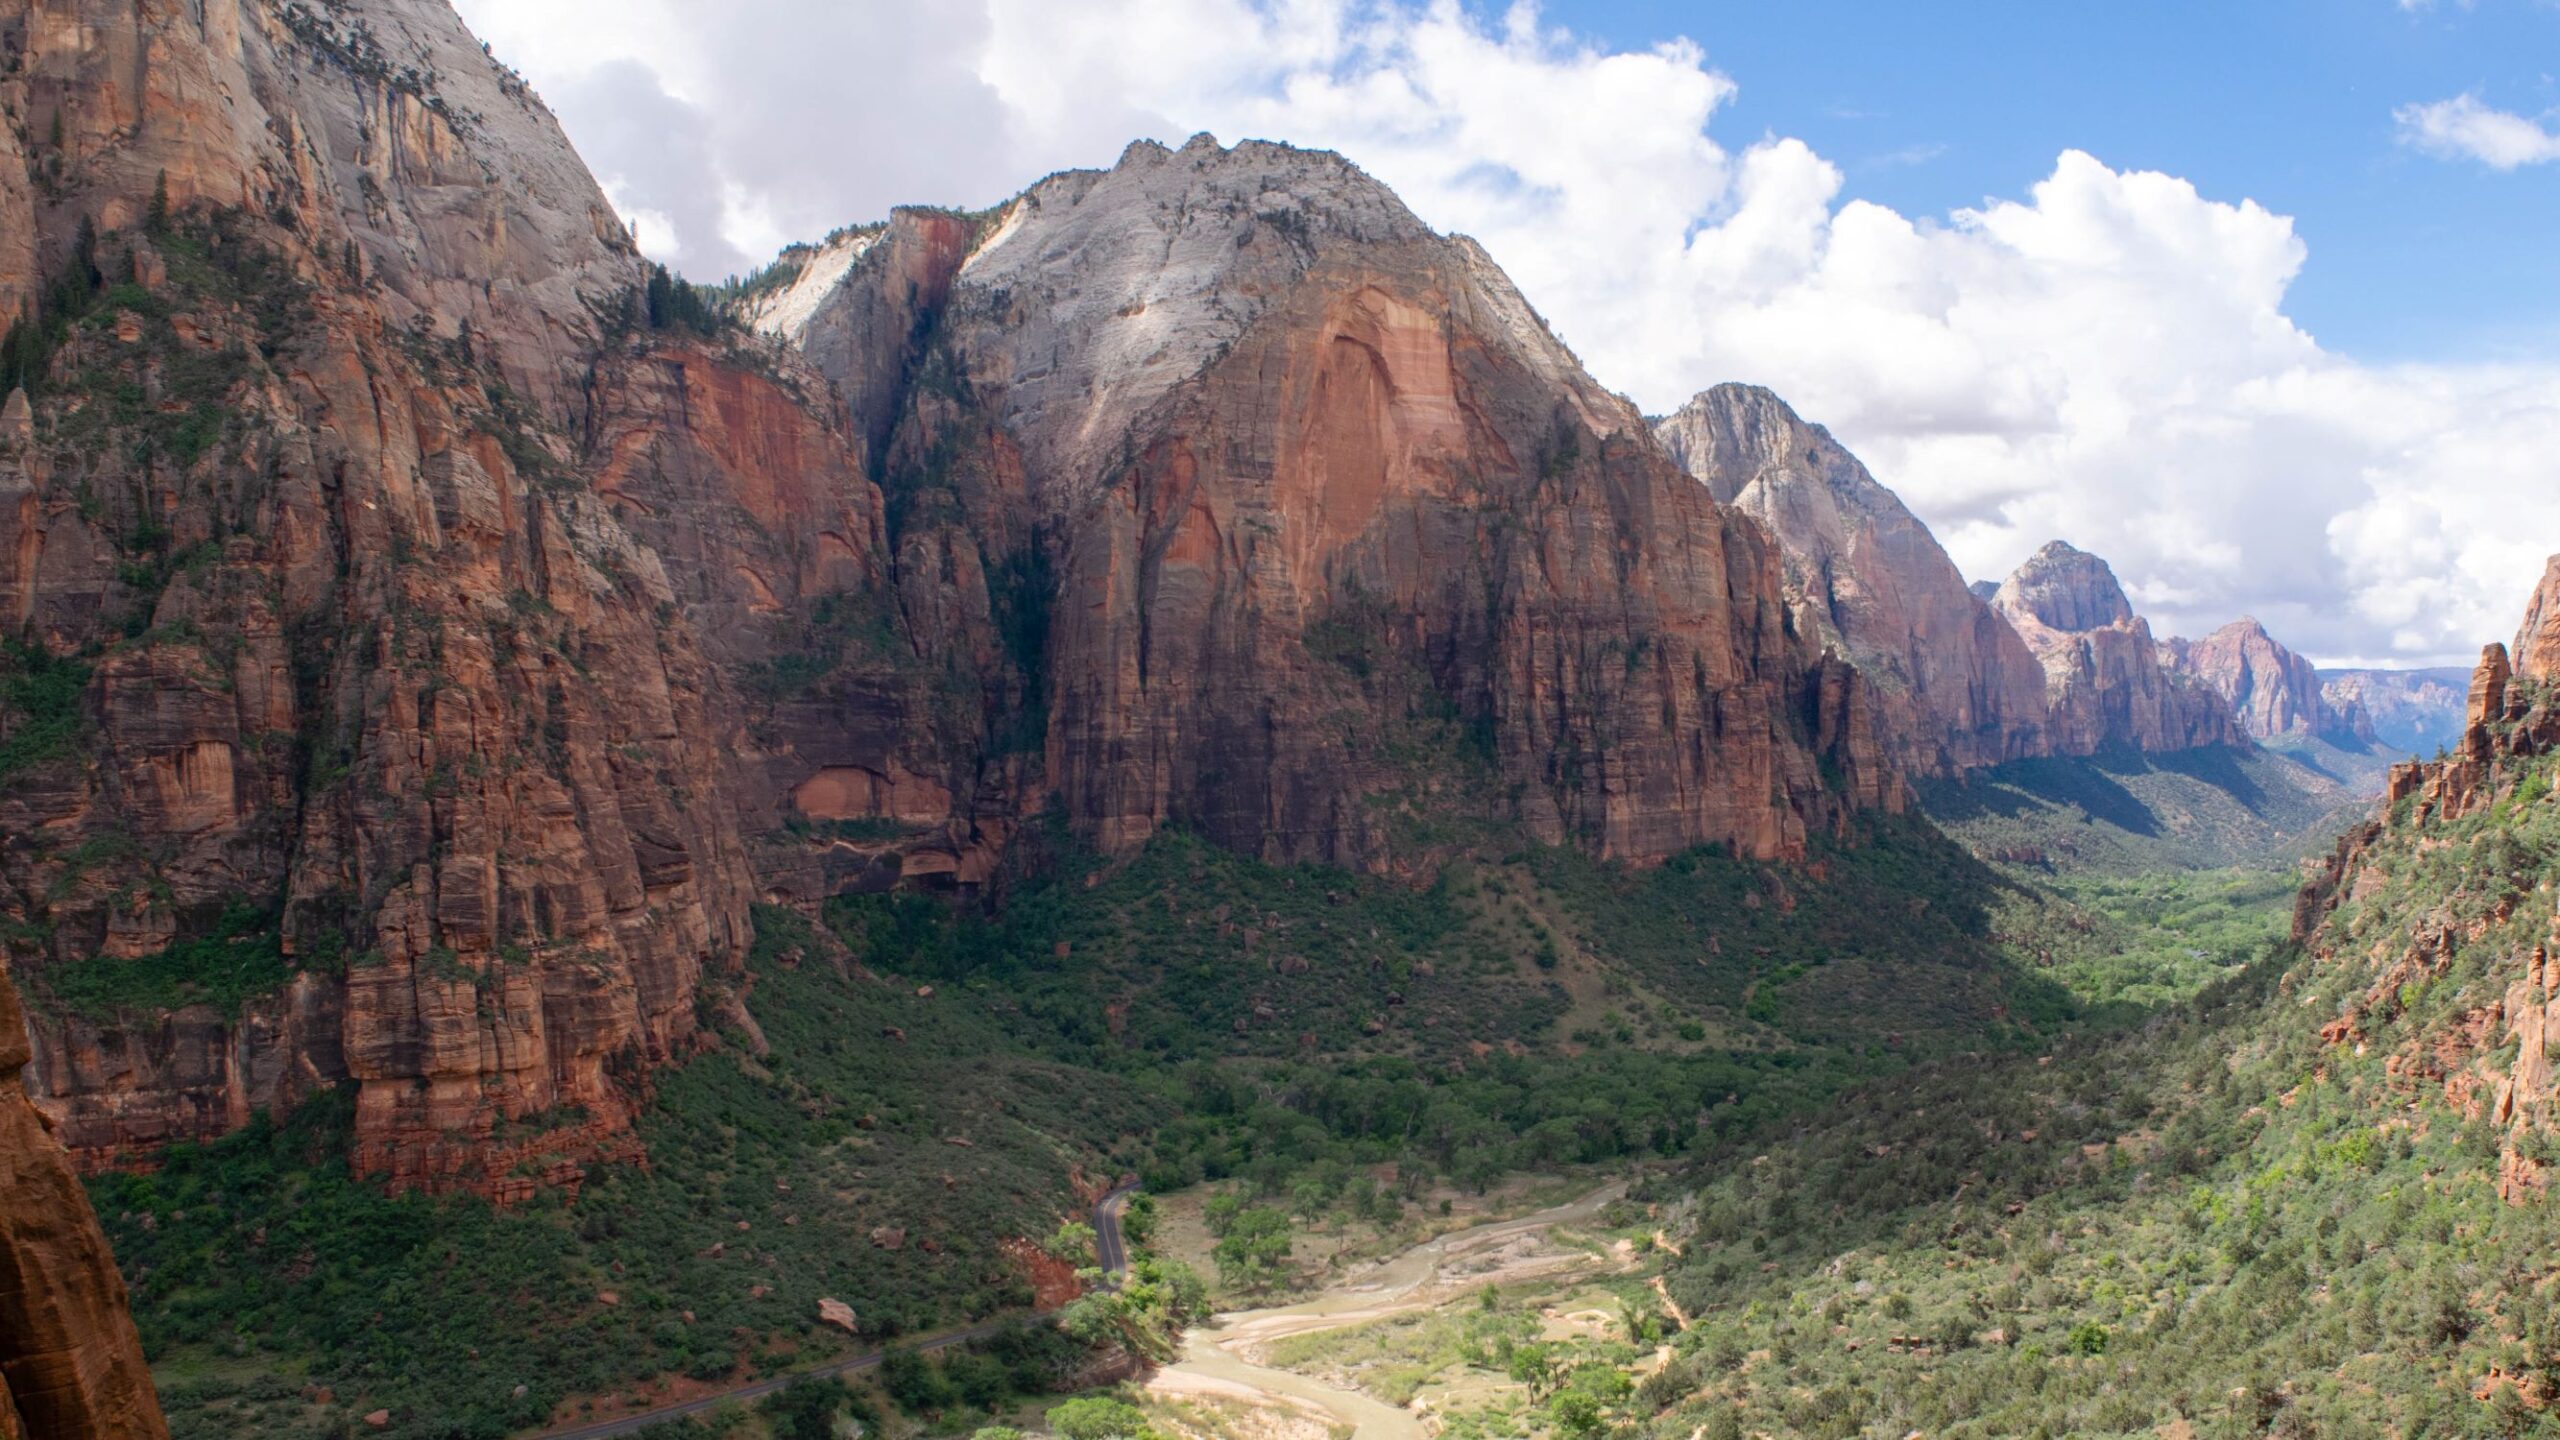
[[1111, 1251]]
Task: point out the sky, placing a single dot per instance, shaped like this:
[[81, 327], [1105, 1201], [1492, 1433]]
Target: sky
[[2255, 298]]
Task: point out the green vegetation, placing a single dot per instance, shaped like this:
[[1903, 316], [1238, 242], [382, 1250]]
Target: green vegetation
[[41, 720], [1319, 1041], [2208, 1220], [670, 302], [935, 1073], [2127, 814], [1253, 1248], [235, 961]]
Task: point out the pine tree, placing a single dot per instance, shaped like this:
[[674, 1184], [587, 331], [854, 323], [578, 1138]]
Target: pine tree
[[156, 219]]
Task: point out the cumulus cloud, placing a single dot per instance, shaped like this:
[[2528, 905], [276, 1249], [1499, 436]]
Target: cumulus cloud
[[2464, 128], [2104, 358]]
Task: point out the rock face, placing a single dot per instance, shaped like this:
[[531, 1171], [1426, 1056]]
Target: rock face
[[1954, 685], [70, 1362], [1305, 473], [376, 624], [2103, 674], [2275, 692], [430, 630], [2537, 651]]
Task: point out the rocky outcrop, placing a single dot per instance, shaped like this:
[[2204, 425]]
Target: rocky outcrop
[[2103, 674], [1305, 475], [1953, 685], [2537, 652], [2490, 1059], [2275, 692], [70, 1362]]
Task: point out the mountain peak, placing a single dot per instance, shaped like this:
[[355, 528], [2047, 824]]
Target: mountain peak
[[2274, 691], [2066, 588], [1867, 578]]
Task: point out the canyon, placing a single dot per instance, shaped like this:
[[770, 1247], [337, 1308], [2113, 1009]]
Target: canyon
[[439, 627], [448, 614]]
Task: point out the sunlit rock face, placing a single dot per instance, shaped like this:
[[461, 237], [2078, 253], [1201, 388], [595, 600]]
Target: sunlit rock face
[[1235, 397], [1952, 684], [457, 645]]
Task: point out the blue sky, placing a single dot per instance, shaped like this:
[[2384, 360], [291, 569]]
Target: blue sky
[[1930, 107]]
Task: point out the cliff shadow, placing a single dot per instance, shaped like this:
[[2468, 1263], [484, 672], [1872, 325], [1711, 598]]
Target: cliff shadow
[[2024, 788]]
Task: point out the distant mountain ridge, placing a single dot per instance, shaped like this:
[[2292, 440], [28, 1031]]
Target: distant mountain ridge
[[2276, 692], [2053, 663], [2413, 712]]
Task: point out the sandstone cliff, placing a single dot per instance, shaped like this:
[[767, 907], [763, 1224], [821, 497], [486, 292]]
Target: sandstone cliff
[[2103, 674], [2275, 692], [70, 1362], [2412, 711], [1308, 474], [354, 530], [2537, 652], [429, 627], [1954, 685]]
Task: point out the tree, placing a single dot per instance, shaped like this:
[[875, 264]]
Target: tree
[[1577, 1415], [1138, 1221], [1255, 1252], [806, 1409], [1098, 1418], [1533, 1366], [1219, 1215], [1074, 1241]]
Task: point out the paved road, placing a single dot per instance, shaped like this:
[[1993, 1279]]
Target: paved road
[[1111, 1251]]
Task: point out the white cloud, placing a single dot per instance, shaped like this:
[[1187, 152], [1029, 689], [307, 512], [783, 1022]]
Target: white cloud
[[2105, 358], [2463, 128]]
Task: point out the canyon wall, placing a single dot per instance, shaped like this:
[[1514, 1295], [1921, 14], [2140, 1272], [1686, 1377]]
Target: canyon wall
[[1953, 685], [430, 627], [2435, 886]]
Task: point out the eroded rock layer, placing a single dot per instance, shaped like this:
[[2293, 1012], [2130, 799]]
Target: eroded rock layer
[[430, 627], [2537, 651], [1285, 450], [2491, 1058], [362, 731]]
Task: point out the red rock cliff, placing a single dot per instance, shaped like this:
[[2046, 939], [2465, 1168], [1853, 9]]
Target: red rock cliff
[[1239, 401], [2492, 1061], [425, 644], [380, 538], [2537, 652], [70, 1362]]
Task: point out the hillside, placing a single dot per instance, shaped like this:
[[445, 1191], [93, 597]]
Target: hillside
[[2126, 813], [2310, 1198]]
